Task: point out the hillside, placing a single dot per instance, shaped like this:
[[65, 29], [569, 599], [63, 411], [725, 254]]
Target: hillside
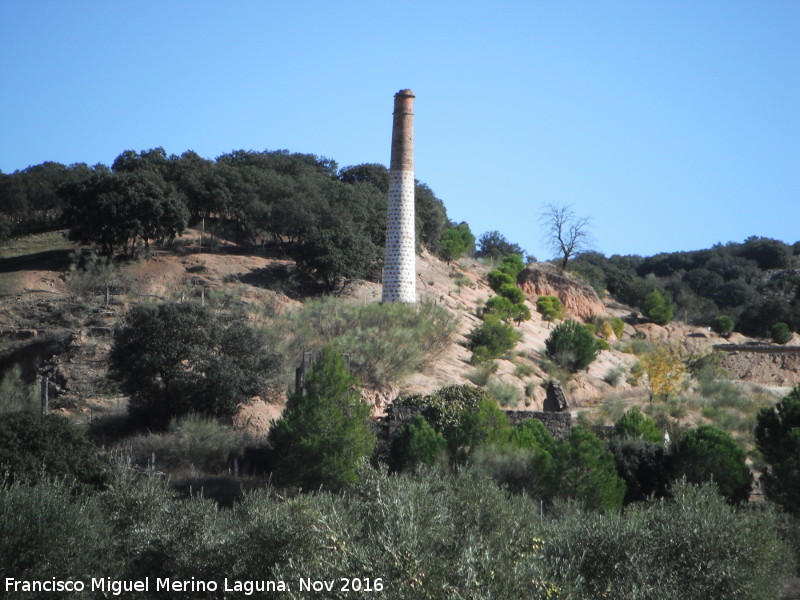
[[57, 326]]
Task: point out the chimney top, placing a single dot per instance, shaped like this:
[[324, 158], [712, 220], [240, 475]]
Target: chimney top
[[408, 93]]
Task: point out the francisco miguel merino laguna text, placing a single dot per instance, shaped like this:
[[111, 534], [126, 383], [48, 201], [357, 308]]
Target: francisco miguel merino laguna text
[[117, 587]]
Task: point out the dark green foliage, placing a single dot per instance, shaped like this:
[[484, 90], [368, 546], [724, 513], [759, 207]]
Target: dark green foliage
[[656, 308], [550, 307], [334, 253], [48, 532], [416, 443], [780, 333], [495, 336], [693, 547], [445, 407], [499, 306], [638, 426], [117, 210], [325, 433], [644, 466], [33, 446], [571, 346], [722, 325], [513, 293], [512, 264], [520, 312], [485, 424], [586, 472], [457, 241], [494, 245], [173, 359], [6, 228], [777, 436], [431, 218], [706, 454], [498, 278]]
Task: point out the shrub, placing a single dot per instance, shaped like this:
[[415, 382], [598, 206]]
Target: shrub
[[587, 472], [777, 436], [550, 308], [416, 443], [644, 466], [34, 445], [502, 392], [780, 333], [571, 346], [14, 394], [325, 432], [457, 241], [665, 371], [707, 454], [485, 424], [192, 441], [656, 309], [618, 326], [691, 548], [512, 292], [634, 425], [444, 408], [512, 264], [49, 532], [173, 359], [497, 279], [497, 337], [613, 376], [520, 312], [722, 325], [385, 341], [499, 306]]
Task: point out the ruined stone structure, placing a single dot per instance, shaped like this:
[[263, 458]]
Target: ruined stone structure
[[556, 400], [399, 263]]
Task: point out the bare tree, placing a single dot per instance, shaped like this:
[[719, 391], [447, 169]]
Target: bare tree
[[566, 233]]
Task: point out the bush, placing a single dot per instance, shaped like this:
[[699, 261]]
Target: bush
[[493, 335], [512, 264], [550, 308], [34, 445], [457, 241], [173, 359], [780, 333], [691, 548], [445, 407], [644, 466], [485, 424], [504, 393], [618, 326], [587, 472], [512, 292], [499, 306], [385, 341], [325, 432], [15, 396], [722, 325], [706, 454], [416, 443], [634, 425], [498, 279], [777, 436], [656, 309], [571, 346]]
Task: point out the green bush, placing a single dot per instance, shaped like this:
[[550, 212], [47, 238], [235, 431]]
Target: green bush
[[494, 335], [502, 392], [457, 241], [34, 445], [571, 346], [48, 532], [499, 306], [693, 547], [780, 333], [634, 425], [657, 309], [722, 325], [173, 359], [645, 467], [512, 292], [618, 326], [15, 396], [445, 407], [485, 424], [512, 264], [416, 443], [550, 308], [777, 436], [385, 341], [587, 472], [191, 441], [498, 279], [706, 454], [325, 432]]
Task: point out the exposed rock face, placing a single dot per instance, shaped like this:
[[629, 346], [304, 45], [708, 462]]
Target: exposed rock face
[[768, 365], [578, 298]]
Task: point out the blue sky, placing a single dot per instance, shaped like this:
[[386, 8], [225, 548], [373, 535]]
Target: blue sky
[[671, 125]]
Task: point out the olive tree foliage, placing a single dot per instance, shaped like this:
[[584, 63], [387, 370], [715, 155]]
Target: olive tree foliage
[[566, 233], [325, 432], [177, 358], [777, 437]]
